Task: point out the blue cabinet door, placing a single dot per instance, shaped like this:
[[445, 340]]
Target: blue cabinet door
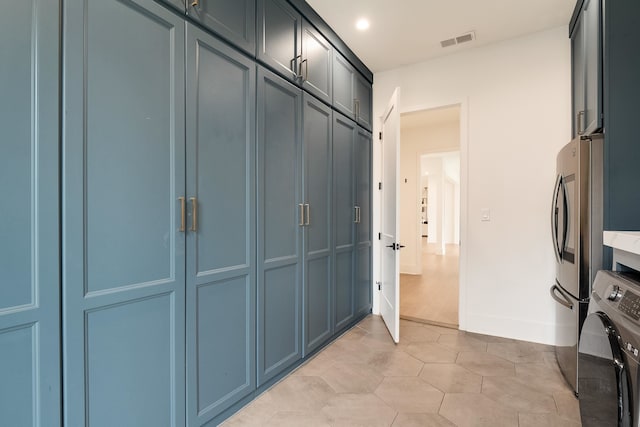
[[280, 222], [363, 282], [123, 247], [279, 34], [317, 219], [220, 226], [344, 88], [316, 63], [344, 139], [29, 242], [363, 101], [233, 20]]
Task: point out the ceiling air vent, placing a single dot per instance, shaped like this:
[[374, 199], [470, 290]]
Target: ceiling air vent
[[463, 38]]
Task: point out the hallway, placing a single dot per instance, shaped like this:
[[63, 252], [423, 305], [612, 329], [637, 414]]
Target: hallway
[[437, 377], [433, 296]]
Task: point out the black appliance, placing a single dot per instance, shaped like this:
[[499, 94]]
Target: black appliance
[[576, 227], [609, 352]]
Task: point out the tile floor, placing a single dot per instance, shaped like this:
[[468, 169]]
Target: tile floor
[[432, 295], [435, 377]]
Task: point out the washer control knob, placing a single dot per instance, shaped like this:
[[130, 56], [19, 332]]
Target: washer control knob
[[615, 294]]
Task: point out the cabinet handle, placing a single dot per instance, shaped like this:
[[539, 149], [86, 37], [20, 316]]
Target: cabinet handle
[[355, 214], [194, 205], [181, 213], [301, 214], [304, 76], [356, 108], [295, 68], [580, 130], [194, 3], [359, 215], [308, 209]]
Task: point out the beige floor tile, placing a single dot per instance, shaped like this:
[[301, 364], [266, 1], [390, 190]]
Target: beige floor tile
[[352, 378], [421, 420], [395, 364], [567, 404], [517, 394], [546, 420], [476, 410], [462, 343], [297, 419], [545, 377], [486, 364], [409, 394], [359, 410], [431, 353], [418, 333], [297, 393], [451, 378], [517, 352]]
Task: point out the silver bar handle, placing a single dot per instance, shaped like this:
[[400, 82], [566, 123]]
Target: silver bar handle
[[356, 108], [580, 123], [182, 209], [359, 211], [308, 210], [295, 67], [194, 205], [304, 76], [301, 214]]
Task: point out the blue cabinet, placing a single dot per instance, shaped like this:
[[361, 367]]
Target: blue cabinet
[[233, 20], [317, 220], [279, 37], [220, 226], [29, 242], [352, 93], [316, 63], [344, 218], [281, 214], [123, 244], [363, 279]]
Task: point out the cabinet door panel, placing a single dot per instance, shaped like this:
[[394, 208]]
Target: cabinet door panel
[[221, 261], [363, 185], [29, 248], [344, 139], [279, 33], [317, 234], [316, 65], [344, 90], [279, 235], [124, 254], [363, 285], [233, 20], [593, 66], [363, 95]]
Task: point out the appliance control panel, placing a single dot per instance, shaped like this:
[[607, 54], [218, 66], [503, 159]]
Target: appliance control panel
[[630, 305]]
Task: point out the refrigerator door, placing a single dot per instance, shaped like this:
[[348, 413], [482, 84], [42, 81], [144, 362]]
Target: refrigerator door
[[567, 319]]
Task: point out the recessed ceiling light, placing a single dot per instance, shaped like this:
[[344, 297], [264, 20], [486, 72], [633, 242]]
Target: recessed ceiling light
[[362, 24]]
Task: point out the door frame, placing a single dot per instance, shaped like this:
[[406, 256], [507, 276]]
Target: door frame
[[464, 199]]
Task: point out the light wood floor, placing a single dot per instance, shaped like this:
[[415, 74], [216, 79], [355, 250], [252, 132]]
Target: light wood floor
[[432, 297]]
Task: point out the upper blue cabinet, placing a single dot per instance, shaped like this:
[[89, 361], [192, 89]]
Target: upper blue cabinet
[[316, 63], [351, 91], [233, 20], [586, 63], [279, 37]]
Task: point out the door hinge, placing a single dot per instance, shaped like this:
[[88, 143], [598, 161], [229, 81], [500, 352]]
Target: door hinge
[[379, 236], [379, 186], [380, 136], [379, 285]]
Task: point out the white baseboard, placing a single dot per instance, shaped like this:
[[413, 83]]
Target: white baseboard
[[519, 329]]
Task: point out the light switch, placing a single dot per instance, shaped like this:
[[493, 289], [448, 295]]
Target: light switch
[[485, 214]]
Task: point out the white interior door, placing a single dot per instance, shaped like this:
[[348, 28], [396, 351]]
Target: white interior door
[[390, 289]]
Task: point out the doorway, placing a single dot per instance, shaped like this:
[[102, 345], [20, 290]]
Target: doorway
[[429, 214]]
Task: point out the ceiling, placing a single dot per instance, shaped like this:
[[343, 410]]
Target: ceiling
[[405, 32]]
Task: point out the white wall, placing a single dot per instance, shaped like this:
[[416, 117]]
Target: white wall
[[515, 116]]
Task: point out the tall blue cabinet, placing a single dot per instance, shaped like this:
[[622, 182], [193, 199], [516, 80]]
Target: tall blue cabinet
[[29, 239], [186, 218], [123, 243], [220, 229]]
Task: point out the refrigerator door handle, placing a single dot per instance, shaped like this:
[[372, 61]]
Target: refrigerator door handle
[[554, 219], [554, 291]]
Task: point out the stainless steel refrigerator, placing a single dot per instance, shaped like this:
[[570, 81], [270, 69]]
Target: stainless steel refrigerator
[[576, 228]]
